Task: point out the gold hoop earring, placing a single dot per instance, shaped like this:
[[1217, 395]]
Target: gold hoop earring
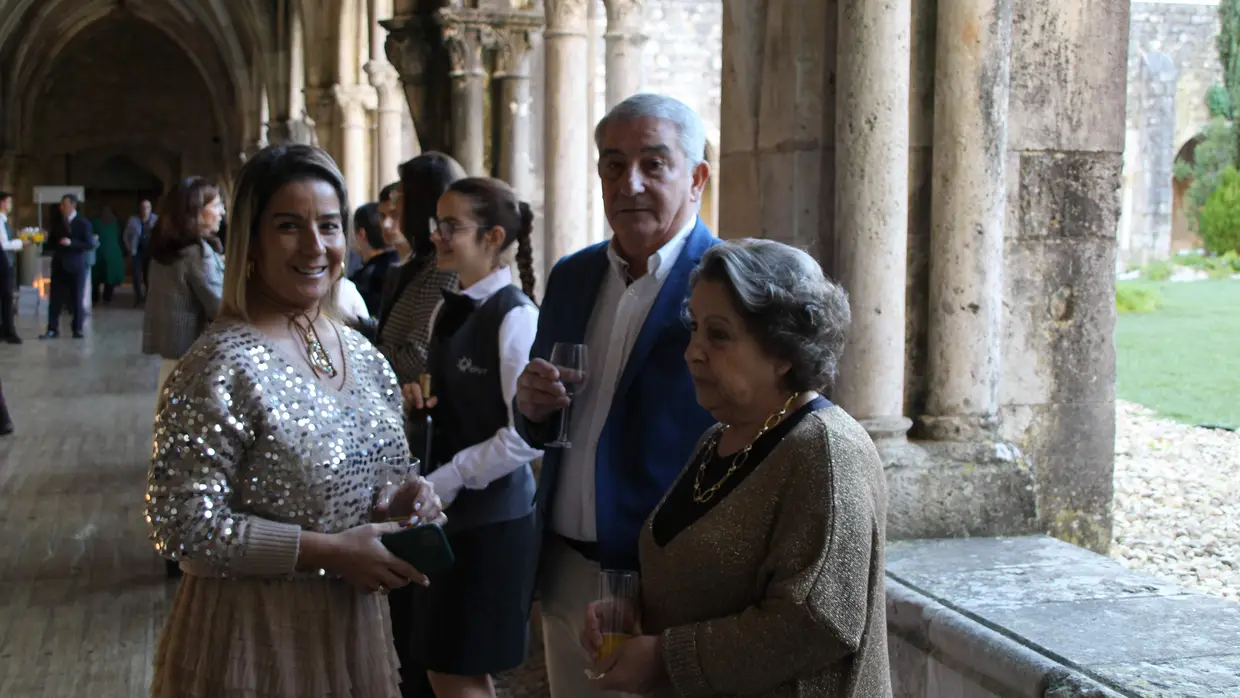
[[249, 269]]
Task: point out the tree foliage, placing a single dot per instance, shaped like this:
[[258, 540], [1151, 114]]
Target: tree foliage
[[1214, 153], [1229, 46], [1220, 217]]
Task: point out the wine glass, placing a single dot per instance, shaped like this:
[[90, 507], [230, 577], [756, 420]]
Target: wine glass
[[570, 361]]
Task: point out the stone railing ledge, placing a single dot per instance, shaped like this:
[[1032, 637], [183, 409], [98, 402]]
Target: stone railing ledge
[[1035, 617], [949, 651]]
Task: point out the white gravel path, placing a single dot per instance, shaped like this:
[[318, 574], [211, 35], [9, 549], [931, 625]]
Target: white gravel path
[[1177, 501]]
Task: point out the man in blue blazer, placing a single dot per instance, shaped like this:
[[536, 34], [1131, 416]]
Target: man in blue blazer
[[634, 421], [71, 241]]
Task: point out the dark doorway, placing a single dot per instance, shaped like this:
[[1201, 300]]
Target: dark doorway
[[121, 184]]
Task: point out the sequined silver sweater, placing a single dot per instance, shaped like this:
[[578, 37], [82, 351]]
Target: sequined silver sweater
[[777, 592], [250, 450]]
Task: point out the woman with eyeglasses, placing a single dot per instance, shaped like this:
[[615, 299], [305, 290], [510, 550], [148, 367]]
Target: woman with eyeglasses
[[472, 621]]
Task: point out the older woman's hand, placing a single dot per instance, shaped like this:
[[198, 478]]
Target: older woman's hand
[[635, 667], [414, 500]]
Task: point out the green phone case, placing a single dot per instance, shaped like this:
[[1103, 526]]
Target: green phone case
[[425, 547]]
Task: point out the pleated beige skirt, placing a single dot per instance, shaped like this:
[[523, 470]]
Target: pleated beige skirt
[[275, 638]]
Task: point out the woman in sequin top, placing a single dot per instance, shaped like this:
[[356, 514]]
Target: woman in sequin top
[[278, 444], [762, 568]]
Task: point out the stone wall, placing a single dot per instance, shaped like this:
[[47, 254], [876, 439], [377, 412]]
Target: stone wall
[[1172, 61], [1064, 145]]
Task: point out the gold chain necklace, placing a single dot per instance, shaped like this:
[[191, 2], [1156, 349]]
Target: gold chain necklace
[[702, 496], [320, 361]]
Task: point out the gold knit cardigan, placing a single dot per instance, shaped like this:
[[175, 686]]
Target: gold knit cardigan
[[777, 592]]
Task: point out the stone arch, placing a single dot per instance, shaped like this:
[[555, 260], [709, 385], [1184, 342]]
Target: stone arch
[[227, 42], [1182, 235]]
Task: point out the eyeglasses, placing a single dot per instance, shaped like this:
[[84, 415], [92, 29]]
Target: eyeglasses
[[447, 228]]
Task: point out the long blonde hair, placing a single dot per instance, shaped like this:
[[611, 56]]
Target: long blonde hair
[[260, 178]]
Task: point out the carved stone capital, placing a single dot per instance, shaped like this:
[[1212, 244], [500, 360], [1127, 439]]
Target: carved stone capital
[[512, 46], [625, 14], [384, 77], [354, 101], [566, 16], [465, 44], [292, 131], [407, 49]]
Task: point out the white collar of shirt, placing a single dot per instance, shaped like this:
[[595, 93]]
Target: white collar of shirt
[[661, 262], [489, 284], [4, 218], [69, 218]]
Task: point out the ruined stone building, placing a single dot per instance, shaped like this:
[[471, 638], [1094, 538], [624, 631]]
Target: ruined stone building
[[957, 170], [1172, 63]]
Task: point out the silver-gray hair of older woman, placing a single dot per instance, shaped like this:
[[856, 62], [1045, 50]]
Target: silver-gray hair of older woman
[[794, 312], [689, 127]]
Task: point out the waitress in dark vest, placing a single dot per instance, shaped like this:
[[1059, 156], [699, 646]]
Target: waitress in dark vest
[[472, 621]]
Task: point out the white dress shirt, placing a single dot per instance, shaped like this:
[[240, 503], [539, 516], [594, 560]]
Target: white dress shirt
[[349, 301], [6, 244], [479, 465], [617, 319]]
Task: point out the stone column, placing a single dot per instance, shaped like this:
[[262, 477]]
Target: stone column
[[353, 102], [389, 136], [566, 131], [967, 210], [321, 118], [465, 44], [624, 39], [513, 76], [871, 213]]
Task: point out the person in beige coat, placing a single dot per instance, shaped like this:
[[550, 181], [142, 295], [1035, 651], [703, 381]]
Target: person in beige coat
[[762, 568]]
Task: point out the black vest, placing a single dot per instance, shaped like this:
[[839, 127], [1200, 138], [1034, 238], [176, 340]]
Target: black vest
[[464, 364]]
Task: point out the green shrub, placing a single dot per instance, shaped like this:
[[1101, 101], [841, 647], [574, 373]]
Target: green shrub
[[1218, 101], [1219, 220], [1157, 271], [1133, 297], [1215, 153]]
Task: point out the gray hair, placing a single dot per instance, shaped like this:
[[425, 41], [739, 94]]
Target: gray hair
[[791, 308], [646, 104]]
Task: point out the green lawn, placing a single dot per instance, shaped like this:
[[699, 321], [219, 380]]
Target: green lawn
[[1183, 359]]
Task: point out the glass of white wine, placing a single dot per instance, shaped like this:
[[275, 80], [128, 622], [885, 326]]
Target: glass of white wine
[[570, 361]]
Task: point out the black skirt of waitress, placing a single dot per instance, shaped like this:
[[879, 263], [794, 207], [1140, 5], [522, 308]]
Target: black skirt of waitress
[[474, 618]]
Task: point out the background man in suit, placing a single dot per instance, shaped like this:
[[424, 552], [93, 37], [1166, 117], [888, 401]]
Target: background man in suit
[[136, 240], [8, 274], [635, 419], [71, 242]]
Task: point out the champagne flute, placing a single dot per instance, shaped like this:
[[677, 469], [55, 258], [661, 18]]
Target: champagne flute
[[570, 361], [618, 612]]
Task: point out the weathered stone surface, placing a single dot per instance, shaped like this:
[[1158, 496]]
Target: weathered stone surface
[[938, 652], [949, 495], [1067, 59], [1089, 579], [1057, 393], [1138, 629], [1177, 678], [918, 560], [1057, 605]]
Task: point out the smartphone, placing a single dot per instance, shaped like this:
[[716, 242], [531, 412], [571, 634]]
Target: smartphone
[[425, 547]]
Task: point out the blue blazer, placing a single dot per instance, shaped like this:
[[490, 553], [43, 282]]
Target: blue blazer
[[654, 421]]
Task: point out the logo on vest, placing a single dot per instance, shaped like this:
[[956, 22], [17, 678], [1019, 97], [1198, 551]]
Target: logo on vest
[[466, 365]]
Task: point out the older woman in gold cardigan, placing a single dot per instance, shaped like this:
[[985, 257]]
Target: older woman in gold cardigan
[[762, 569]]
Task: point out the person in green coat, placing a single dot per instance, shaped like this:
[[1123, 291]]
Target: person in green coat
[[109, 269]]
